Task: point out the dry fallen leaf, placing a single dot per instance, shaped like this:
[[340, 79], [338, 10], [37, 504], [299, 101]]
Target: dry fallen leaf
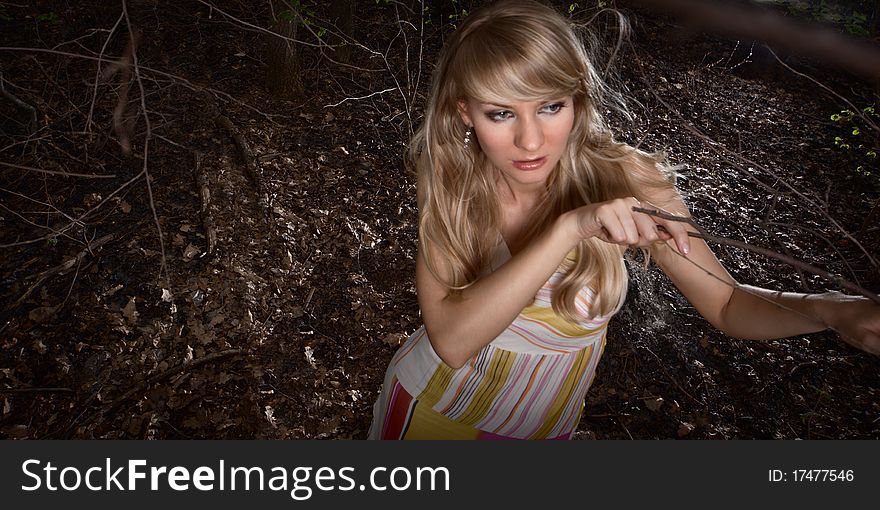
[[125, 207], [41, 314], [684, 429], [190, 252], [130, 311], [270, 416], [310, 355], [654, 404], [394, 339], [16, 431], [39, 346]]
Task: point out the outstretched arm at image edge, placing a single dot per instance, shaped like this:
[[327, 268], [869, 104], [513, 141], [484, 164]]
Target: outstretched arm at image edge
[[754, 313]]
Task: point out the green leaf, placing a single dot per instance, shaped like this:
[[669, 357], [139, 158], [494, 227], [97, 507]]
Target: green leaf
[[856, 131]]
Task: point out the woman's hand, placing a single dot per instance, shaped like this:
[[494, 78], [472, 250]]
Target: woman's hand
[[615, 222], [855, 318]]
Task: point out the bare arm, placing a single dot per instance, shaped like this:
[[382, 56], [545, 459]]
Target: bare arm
[[460, 326], [755, 313]]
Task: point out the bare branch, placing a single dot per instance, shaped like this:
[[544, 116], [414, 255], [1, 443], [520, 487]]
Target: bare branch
[[723, 151], [98, 72], [133, 43], [359, 98], [176, 78], [701, 234], [56, 172]]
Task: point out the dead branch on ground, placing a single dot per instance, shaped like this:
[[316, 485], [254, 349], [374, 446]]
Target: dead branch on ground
[[205, 201]]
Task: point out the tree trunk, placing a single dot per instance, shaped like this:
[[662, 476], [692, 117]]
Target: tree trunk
[[342, 16], [283, 78], [875, 20]]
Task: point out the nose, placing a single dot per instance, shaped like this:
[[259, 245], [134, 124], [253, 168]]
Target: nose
[[529, 134]]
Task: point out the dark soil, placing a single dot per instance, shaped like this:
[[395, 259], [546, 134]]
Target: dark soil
[[286, 328]]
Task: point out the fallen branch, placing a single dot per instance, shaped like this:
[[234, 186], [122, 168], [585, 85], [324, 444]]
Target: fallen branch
[[205, 202], [209, 358], [701, 234], [251, 166], [66, 265]]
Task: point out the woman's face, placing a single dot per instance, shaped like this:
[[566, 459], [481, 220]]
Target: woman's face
[[523, 139]]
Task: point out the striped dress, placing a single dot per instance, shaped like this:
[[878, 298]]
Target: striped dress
[[528, 383]]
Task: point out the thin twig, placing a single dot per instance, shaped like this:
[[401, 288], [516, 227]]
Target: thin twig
[[701, 234], [56, 172], [163, 270], [359, 98], [36, 390], [175, 78], [88, 127], [66, 265]]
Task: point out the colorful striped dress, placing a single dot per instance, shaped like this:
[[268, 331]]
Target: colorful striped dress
[[528, 383]]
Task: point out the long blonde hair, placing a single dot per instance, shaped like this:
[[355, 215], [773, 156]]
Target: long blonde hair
[[520, 50]]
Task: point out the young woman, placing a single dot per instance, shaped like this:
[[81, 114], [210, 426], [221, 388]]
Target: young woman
[[526, 207]]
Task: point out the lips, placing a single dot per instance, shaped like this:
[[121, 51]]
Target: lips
[[531, 164]]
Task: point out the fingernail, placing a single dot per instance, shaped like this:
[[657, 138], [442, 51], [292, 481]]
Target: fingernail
[[685, 249]]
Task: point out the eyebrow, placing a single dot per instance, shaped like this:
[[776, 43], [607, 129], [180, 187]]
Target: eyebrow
[[499, 105]]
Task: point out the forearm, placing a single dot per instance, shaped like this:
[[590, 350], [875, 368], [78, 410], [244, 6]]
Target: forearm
[[460, 325], [760, 314]]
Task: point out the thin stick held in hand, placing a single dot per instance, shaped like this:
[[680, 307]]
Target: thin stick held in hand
[[701, 234]]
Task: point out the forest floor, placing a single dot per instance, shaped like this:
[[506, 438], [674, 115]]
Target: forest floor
[[285, 328]]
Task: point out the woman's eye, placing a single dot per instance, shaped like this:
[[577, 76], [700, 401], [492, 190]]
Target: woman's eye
[[500, 115], [553, 108]]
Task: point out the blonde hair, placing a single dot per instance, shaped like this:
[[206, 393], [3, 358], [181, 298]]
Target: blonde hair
[[521, 50]]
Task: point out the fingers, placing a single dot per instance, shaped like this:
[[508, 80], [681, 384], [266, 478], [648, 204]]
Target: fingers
[[619, 222], [616, 222], [673, 229], [680, 233], [649, 232]]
